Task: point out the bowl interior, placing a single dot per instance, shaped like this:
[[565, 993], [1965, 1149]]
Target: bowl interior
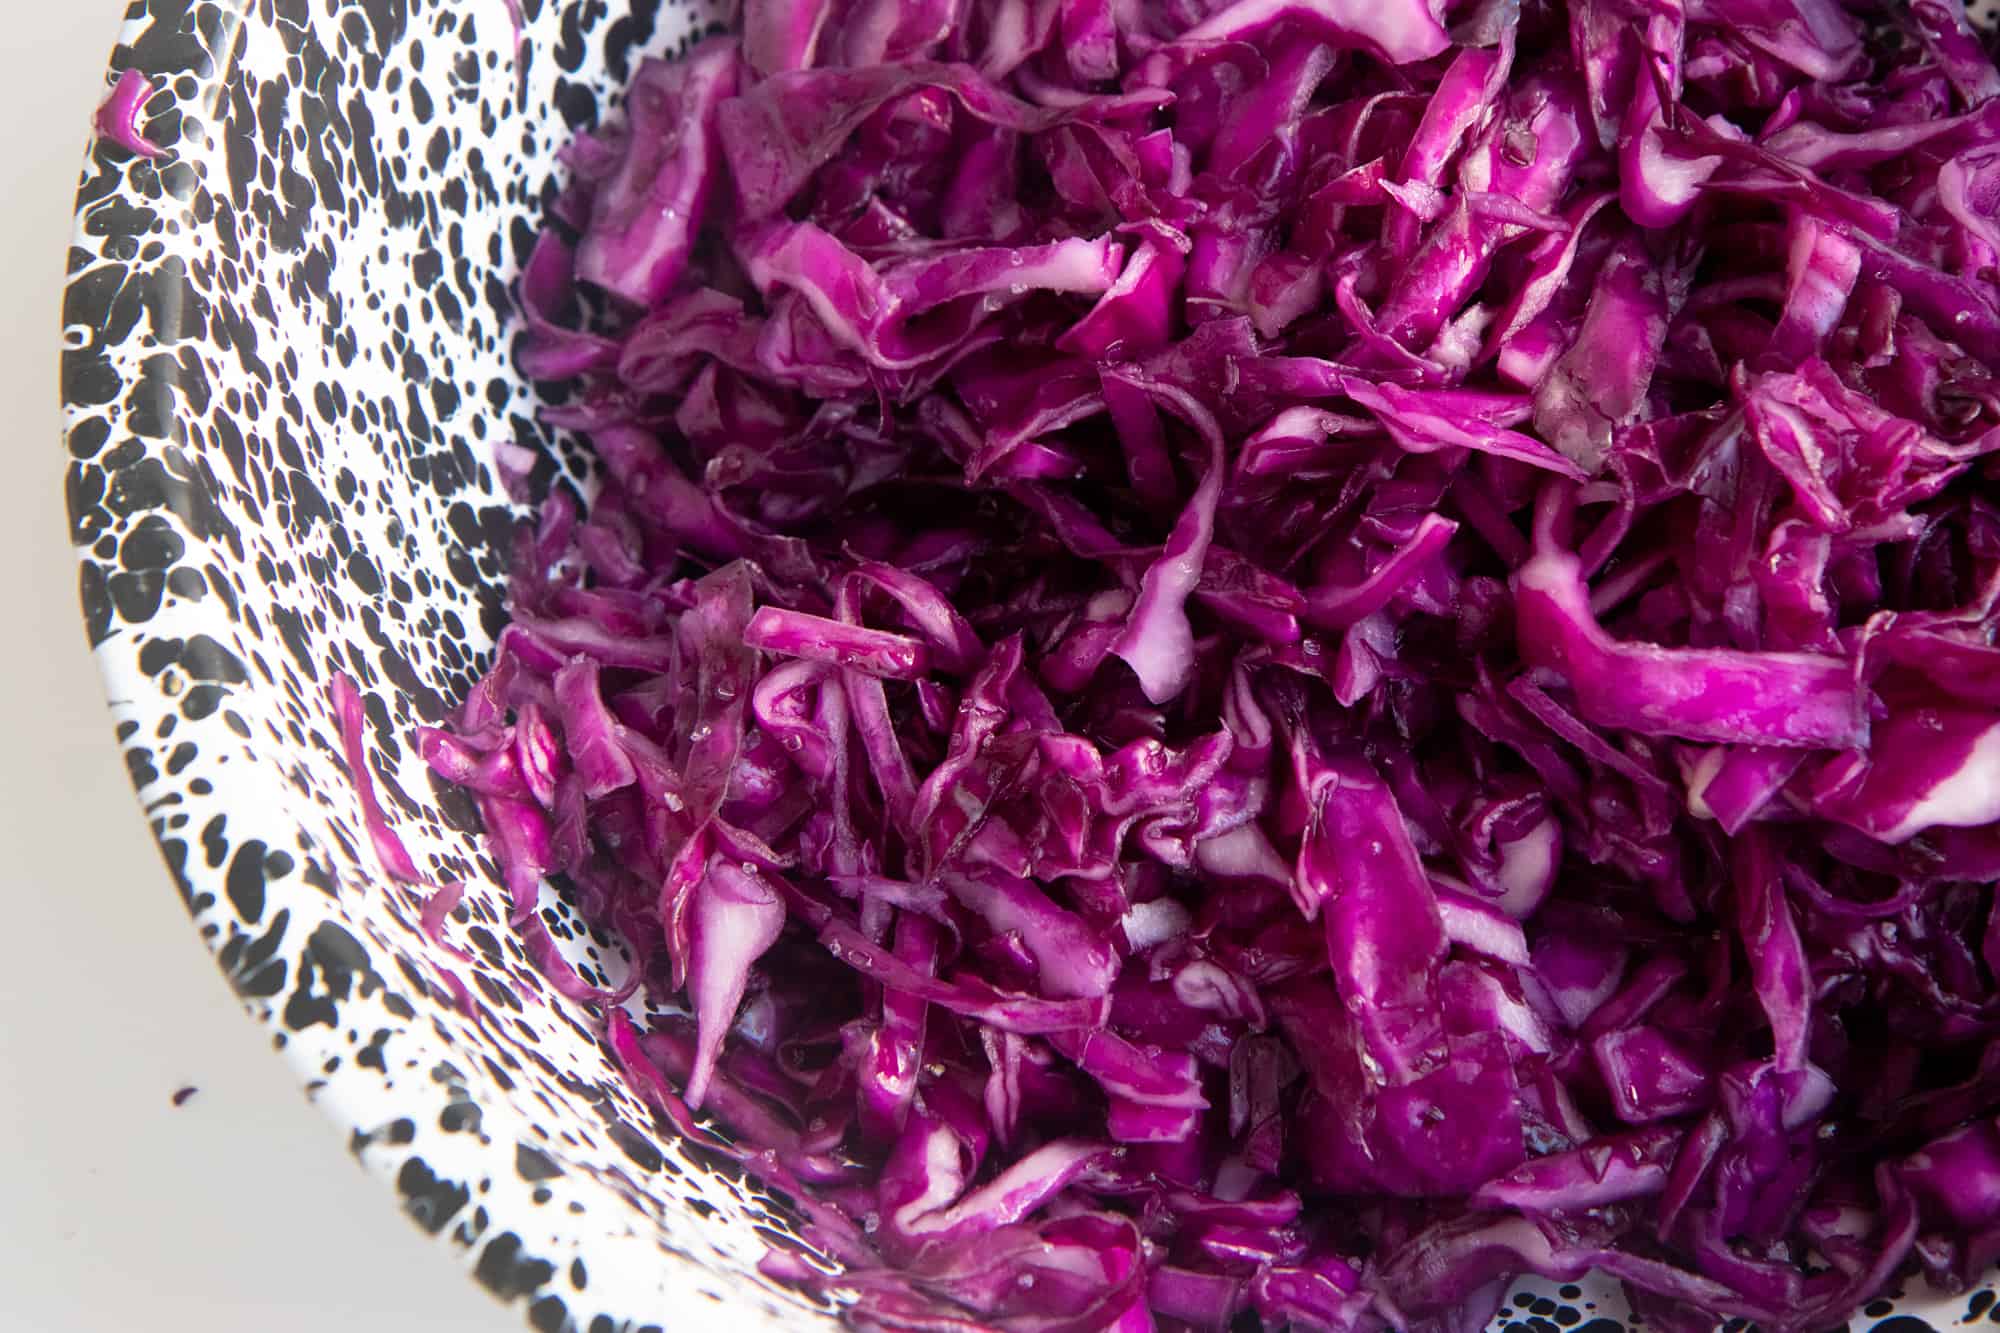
[[287, 356]]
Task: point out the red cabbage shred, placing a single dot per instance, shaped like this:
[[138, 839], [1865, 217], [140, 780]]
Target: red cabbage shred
[[1278, 661], [120, 116]]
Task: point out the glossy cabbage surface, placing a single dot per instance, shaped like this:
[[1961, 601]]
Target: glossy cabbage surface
[[1280, 660]]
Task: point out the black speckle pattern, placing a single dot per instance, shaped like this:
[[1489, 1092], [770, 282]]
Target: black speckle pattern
[[285, 361], [286, 356]]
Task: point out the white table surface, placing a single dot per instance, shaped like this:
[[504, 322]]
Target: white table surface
[[240, 1211]]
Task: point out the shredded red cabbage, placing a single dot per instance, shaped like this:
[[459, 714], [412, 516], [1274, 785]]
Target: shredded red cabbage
[[118, 118], [1287, 657]]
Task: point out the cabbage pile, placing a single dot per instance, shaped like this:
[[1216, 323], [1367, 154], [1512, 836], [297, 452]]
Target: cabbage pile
[[1278, 660], [119, 115]]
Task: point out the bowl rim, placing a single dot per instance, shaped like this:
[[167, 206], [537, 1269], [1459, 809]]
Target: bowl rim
[[133, 695], [196, 73]]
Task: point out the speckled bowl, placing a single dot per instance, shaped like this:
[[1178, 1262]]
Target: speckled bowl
[[286, 359]]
